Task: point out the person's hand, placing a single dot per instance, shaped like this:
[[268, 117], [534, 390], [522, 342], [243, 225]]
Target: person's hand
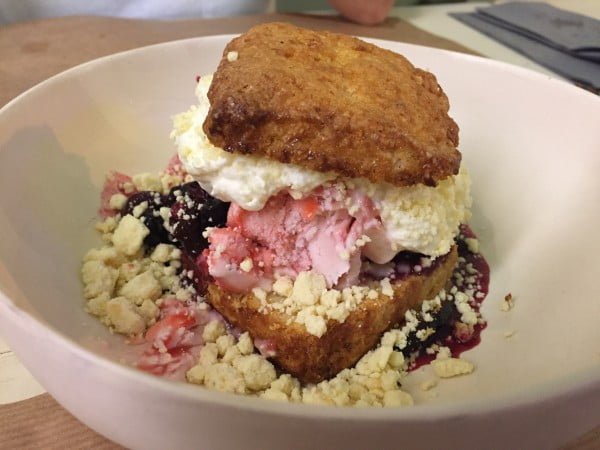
[[366, 12]]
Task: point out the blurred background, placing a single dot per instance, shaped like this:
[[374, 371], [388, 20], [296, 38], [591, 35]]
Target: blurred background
[[322, 5], [12, 11]]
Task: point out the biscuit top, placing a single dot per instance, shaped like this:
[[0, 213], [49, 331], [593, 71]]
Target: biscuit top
[[330, 102]]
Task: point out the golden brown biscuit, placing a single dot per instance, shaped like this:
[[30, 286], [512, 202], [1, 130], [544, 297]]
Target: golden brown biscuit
[[331, 102], [312, 359]]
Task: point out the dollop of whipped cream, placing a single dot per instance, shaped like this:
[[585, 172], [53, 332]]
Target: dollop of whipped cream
[[246, 180], [418, 218], [421, 218]]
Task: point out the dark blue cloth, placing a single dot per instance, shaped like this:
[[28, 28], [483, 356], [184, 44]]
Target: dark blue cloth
[[565, 42]]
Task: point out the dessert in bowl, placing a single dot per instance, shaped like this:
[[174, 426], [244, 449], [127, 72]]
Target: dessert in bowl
[[303, 243], [51, 237]]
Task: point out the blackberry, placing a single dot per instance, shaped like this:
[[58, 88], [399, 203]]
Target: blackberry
[[150, 216], [192, 211], [192, 189]]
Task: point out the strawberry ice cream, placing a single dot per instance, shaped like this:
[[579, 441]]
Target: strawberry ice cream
[[288, 236]]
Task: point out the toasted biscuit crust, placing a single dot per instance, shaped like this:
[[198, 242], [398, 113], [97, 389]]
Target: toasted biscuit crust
[[330, 102], [312, 359]]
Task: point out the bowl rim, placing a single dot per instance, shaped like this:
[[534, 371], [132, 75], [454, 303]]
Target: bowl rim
[[588, 381]]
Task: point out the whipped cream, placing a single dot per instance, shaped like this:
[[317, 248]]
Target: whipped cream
[[421, 218], [246, 180], [418, 218]]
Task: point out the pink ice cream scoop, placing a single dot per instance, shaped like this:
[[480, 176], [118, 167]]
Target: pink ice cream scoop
[[318, 232]]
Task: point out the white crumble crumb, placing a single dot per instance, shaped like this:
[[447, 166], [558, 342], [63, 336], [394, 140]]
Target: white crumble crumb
[[258, 372], [165, 214], [225, 378], [396, 360], [232, 56], [397, 398], [246, 265], [225, 343], [443, 353], [386, 287], [97, 305], [98, 278], [424, 333], [472, 245], [147, 182], [196, 374], [308, 288], [209, 354], [428, 384], [283, 286], [139, 209], [163, 253], [314, 324], [169, 181], [308, 301], [231, 354], [141, 287], [260, 294], [149, 311], [106, 226], [124, 317], [128, 188], [452, 367], [213, 330], [183, 294], [245, 344], [372, 294], [129, 235], [272, 394], [117, 201], [207, 232], [107, 255]]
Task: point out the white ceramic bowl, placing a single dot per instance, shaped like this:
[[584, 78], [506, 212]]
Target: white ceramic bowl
[[532, 145]]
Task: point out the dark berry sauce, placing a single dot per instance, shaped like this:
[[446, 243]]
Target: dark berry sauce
[[192, 210], [451, 332]]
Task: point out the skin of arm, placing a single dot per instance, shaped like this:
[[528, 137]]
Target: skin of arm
[[365, 12]]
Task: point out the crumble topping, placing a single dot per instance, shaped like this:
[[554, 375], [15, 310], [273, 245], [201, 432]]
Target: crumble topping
[[117, 201], [246, 265], [229, 365], [124, 291], [129, 289], [308, 301], [147, 182], [428, 384], [451, 367], [123, 287], [129, 235]]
